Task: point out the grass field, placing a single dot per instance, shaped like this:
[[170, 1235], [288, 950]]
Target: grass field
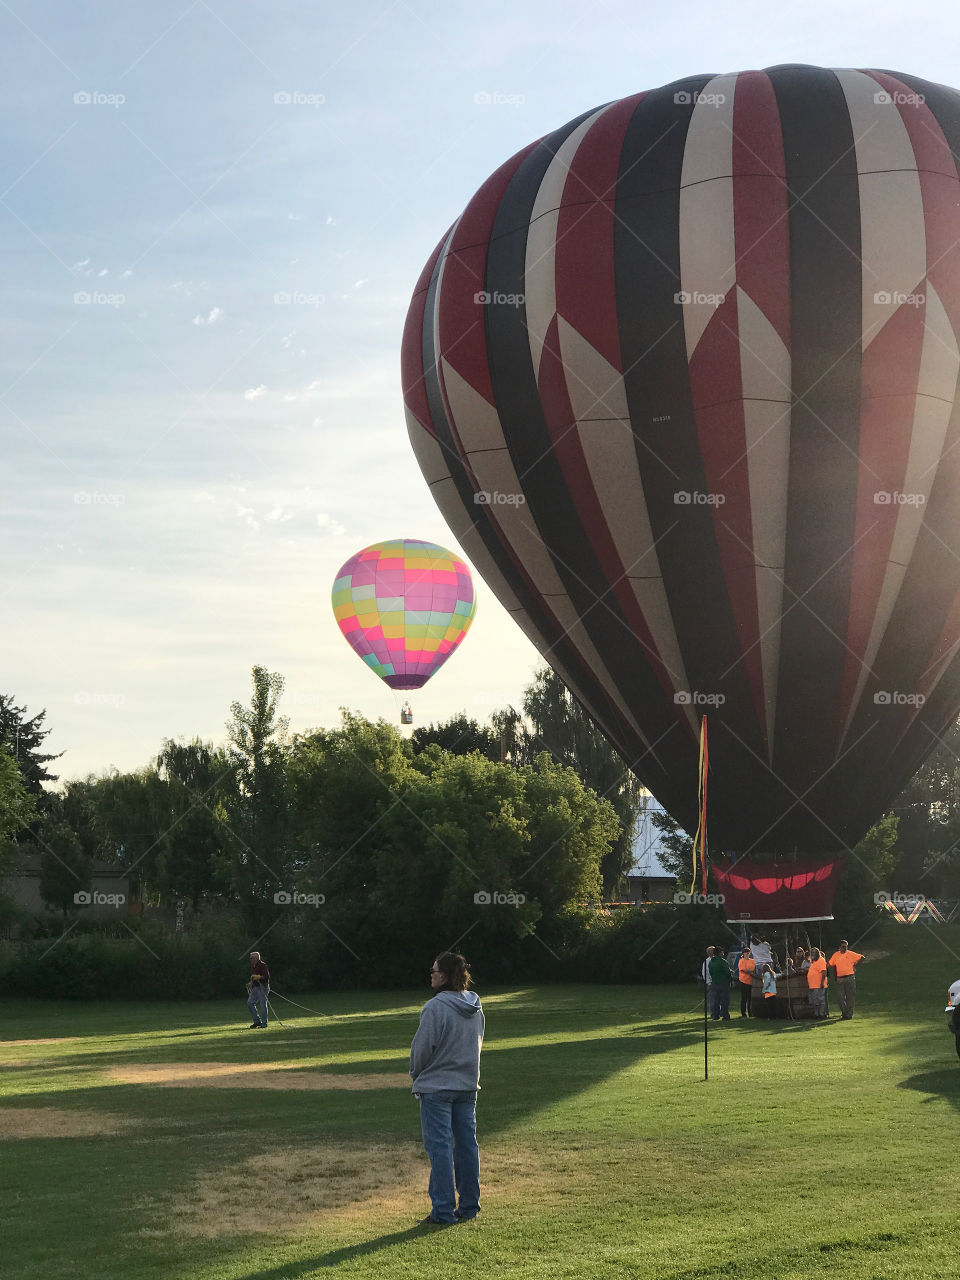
[[167, 1140]]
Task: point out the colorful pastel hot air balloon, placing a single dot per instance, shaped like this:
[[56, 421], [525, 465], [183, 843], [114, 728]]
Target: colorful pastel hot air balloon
[[703, 345], [404, 607]]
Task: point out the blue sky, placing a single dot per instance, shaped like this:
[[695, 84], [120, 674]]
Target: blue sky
[[188, 460]]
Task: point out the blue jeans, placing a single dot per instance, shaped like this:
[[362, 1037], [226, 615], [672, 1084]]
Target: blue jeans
[[449, 1123], [719, 1001], [257, 1004]]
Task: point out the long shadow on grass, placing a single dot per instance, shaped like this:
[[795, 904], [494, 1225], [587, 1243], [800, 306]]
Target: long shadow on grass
[[944, 1083], [312, 1044], [306, 1267]]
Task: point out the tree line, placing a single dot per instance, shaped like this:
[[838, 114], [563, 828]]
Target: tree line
[[361, 844], [504, 831]]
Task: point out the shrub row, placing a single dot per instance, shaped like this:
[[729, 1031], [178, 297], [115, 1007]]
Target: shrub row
[[656, 944]]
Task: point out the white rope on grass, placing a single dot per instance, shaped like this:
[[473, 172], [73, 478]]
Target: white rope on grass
[[275, 992]]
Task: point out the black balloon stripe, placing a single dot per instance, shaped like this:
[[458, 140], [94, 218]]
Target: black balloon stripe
[[826, 327], [654, 352]]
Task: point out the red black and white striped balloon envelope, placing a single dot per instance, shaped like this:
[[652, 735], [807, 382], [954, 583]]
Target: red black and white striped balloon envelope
[[683, 381]]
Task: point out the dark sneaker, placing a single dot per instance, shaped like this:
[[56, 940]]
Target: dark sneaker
[[431, 1221], [461, 1217]]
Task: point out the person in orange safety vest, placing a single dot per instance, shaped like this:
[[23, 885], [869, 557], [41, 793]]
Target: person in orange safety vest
[[843, 962]]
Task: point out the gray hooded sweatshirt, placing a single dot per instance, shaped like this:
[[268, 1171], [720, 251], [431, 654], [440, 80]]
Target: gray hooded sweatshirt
[[445, 1053]]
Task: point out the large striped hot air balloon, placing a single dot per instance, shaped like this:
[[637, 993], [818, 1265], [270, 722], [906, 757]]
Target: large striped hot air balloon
[[699, 348], [404, 607]]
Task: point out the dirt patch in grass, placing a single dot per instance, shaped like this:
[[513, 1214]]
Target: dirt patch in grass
[[312, 1186], [54, 1122], [251, 1075], [303, 1185]]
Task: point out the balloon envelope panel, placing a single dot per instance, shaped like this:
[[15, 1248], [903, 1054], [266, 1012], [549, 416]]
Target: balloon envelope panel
[[404, 606], [683, 381]]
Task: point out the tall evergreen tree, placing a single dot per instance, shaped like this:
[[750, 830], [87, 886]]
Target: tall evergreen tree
[[257, 814], [17, 807], [24, 736]]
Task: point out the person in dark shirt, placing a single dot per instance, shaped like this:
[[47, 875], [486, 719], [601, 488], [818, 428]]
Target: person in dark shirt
[[258, 989], [720, 979]]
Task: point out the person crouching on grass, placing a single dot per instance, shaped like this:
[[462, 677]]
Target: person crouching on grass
[[445, 1066]]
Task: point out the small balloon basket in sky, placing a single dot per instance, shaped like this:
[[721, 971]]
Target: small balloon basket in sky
[[683, 379], [404, 607]]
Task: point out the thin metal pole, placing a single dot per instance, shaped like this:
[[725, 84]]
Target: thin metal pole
[[706, 1072]]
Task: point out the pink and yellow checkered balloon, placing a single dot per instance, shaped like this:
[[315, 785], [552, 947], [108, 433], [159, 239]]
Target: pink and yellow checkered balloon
[[404, 606]]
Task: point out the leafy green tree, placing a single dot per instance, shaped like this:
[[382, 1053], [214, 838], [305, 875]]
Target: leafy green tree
[[572, 833], [459, 735], [24, 736], [17, 804], [64, 866], [415, 852], [863, 872], [517, 745], [194, 846], [562, 727], [121, 818], [346, 792], [676, 846], [17, 811], [928, 847]]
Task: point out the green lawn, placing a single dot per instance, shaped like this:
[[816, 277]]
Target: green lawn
[[813, 1150]]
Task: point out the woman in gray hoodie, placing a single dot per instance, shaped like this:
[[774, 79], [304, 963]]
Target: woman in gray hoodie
[[445, 1066]]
